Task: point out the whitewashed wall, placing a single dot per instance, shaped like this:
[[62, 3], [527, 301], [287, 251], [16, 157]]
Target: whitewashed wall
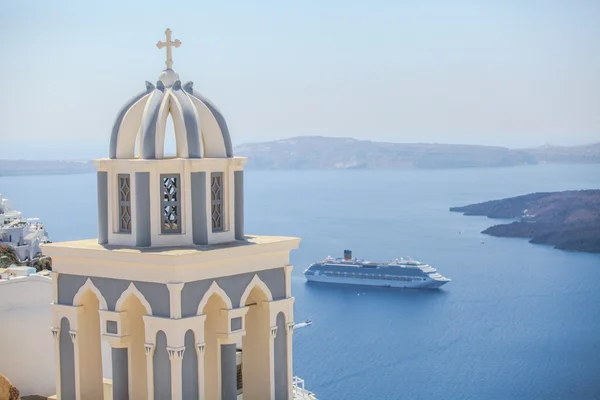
[[26, 343]]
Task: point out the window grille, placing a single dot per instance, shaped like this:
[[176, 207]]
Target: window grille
[[124, 203], [170, 207], [216, 200]]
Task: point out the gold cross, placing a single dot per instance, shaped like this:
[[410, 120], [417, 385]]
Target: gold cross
[[169, 45]]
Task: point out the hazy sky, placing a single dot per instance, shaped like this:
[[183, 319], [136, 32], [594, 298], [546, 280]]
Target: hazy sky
[[513, 73]]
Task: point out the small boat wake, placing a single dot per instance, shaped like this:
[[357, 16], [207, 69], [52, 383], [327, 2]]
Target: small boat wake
[[303, 324]]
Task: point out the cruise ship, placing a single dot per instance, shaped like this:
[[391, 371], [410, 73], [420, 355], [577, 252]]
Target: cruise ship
[[400, 273]]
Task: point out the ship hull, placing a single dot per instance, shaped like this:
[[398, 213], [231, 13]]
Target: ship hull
[[430, 284]]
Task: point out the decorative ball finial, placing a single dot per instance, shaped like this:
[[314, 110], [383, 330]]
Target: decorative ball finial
[[169, 45]]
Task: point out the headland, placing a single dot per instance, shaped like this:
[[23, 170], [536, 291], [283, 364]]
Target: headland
[[568, 220]]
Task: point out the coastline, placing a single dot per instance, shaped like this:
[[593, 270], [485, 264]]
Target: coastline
[[568, 220]]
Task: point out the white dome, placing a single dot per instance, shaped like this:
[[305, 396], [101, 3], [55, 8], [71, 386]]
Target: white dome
[[200, 129]]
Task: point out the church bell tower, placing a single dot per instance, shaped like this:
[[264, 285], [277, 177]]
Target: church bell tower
[[146, 199], [189, 306]]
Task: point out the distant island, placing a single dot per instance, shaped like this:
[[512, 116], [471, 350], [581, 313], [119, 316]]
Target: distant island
[[319, 152], [44, 167], [566, 220]]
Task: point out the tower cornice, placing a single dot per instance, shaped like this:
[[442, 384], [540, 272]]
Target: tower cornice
[[163, 265]]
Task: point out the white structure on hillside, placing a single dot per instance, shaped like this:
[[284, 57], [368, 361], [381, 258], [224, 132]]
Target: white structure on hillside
[[23, 235], [172, 283]]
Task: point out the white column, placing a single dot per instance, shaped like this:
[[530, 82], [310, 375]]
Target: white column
[[288, 280], [56, 335], [175, 335], [73, 335], [290, 377], [150, 330], [272, 359], [149, 347], [54, 276], [200, 358], [176, 357], [175, 298]]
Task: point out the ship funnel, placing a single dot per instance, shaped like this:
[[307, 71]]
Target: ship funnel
[[347, 254]]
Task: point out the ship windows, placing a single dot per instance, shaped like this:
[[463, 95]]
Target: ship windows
[[124, 187], [170, 203], [216, 201]]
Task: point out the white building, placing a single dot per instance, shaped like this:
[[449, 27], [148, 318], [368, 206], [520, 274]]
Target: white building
[[23, 235], [173, 284]]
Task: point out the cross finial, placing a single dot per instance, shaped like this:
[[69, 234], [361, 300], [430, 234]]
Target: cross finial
[[169, 44]]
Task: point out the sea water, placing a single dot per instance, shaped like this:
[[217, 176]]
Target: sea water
[[518, 321]]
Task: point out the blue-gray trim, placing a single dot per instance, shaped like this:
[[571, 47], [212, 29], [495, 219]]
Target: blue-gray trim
[[199, 217], [114, 136], [112, 327], [120, 374], [280, 360], [228, 372], [238, 207], [67, 362], [189, 378], [102, 178], [236, 324], [142, 209], [190, 120], [148, 125], [157, 294], [162, 368], [189, 87], [234, 287]]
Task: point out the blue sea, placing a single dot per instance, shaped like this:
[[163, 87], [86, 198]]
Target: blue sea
[[518, 321]]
